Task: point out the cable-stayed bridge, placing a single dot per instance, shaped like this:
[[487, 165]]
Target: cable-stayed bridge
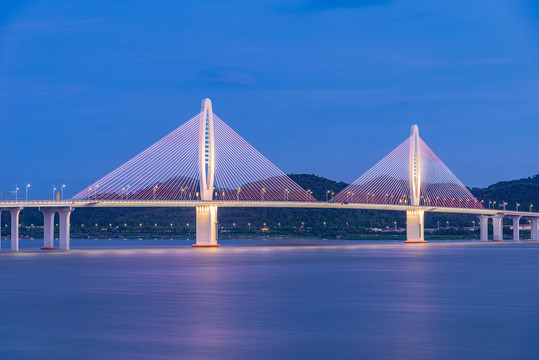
[[204, 164]]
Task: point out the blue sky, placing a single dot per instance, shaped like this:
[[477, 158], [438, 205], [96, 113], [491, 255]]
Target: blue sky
[[318, 86]]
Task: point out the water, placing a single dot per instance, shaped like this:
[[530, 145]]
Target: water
[[149, 299]]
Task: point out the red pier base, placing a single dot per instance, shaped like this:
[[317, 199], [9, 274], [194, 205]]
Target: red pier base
[[208, 245], [497, 240], [48, 248], [414, 242]]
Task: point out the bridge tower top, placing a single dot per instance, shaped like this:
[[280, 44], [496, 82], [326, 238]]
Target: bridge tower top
[[206, 151], [415, 167]]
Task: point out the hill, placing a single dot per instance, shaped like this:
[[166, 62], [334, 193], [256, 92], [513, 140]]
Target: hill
[[179, 222]]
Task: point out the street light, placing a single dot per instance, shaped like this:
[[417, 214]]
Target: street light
[[16, 192], [518, 206], [53, 191], [27, 186], [531, 207], [63, 187]]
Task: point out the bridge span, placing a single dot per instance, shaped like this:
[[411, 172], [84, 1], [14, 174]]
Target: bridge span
[[204, 164], [65, 207]]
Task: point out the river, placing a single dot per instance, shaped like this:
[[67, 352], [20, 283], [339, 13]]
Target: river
[[310, 299]]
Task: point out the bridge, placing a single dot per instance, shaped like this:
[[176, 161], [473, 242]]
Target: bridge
[[205, 165]]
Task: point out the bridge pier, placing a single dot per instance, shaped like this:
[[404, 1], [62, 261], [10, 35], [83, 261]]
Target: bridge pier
[[497, 224], [65, 227], [483, 227], [206, 226], [48, 228], [516, 227], [15, 228], [64, 214], [534, 226], [415, 228], [1, 228]]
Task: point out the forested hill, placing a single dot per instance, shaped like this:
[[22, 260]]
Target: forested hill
[[318, 185], [178, 222], [524, 191]]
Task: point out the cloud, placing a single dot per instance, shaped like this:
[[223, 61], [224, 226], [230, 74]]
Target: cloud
[[320, 5], [230, 75]]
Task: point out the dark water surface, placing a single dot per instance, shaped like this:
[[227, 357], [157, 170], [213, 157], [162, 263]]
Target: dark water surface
[[353, 300]]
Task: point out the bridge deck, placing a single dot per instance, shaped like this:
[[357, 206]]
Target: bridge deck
[[253, 204]]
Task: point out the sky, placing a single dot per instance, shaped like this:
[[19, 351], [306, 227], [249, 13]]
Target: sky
[[318, 86]]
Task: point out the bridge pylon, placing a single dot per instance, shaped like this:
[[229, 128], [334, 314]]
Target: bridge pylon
[[206, 216], [415, 219]]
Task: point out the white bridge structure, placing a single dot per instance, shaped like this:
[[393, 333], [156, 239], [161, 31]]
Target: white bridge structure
[[204, 164]]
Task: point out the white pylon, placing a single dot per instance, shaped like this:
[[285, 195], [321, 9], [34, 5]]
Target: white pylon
[[415, 167], [206, 216], [206, 152], [415, 229]]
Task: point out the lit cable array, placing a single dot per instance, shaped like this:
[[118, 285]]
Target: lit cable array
[[388, 182], [169, 170]]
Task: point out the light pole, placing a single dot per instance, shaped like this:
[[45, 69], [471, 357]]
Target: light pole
[[27, 187], [63, 187], [53, 191], [531, 207], [327, 195], [518, 206], [395, 225], [16, 192]]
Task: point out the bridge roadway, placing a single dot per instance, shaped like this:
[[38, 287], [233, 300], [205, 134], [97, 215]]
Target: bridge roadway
[[65, 207], [253, 204]]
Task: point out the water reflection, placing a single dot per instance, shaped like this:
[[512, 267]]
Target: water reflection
[[345, 301]]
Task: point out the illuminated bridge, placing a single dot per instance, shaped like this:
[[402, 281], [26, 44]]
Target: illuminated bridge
[[204, 164]]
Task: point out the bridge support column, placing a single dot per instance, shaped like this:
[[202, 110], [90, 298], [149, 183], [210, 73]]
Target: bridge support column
[[1, 228], [48, 228], [206, 226], [497, 224], [415, 228], [516, 227], [534, 227], [65, 227], [483, 227], [15, 228]]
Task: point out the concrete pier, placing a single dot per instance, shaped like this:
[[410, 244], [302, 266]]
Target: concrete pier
[[206, 235], [415, 228], [483, 227], [497, 223]]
